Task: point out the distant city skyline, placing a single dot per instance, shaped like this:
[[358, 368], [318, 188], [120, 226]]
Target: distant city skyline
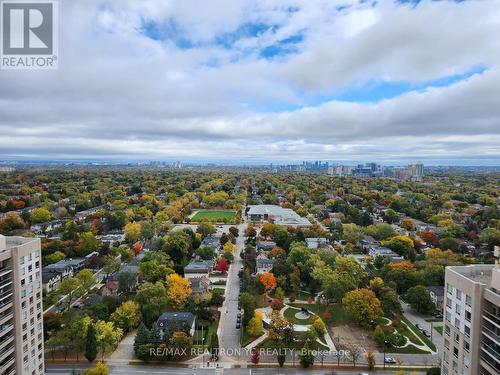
[[252, 81]]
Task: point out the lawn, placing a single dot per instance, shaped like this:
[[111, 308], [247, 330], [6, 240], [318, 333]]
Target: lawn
[[410, 349], [338, 314], [439, 329], [217, 216], [420, 335], [290, 315]]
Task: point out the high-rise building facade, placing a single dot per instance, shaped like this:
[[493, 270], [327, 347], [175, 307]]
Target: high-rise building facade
[[472, 320], [21, 312]]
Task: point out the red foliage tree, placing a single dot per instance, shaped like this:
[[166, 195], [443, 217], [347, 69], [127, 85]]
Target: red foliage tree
[[137, 247], [255, 358], [222, 265]]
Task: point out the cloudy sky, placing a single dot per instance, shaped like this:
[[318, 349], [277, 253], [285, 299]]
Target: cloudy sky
[[263, 80]]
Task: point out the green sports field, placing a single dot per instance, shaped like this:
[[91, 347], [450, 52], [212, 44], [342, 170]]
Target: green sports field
[[215, 216]]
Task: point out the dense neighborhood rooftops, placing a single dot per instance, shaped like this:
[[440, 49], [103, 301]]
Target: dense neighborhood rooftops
[[66, 263]]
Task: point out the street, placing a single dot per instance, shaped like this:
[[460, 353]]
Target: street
[[229, 336], [148, 369]]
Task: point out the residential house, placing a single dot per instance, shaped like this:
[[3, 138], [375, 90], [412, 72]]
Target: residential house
[[213, 242], [200, 285], [315, 242], [176, 321], [265, 245], [51, 280], [198, 268], [264, 264], [437, 295], [385, 252]]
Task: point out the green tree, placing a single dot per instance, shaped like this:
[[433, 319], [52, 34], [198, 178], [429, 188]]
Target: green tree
[[419, 299], [352, 233], [91, 344], [379, 335], [127, 316], [40, 215], [363, 305], [248, 305], [206, 229], [107, 336], [141, 337], [132, 232], [152, 298], [54, 257]]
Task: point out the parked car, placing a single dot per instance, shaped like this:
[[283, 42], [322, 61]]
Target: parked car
[[238, 326], [426, 333], [418, 327], [390, 360]]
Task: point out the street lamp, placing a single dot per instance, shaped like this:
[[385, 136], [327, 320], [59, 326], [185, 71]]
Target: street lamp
[[385, 344]]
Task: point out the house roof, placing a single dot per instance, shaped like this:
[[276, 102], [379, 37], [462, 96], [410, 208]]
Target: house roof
[[198, 266], [438, 290], [265, 262], [180, 318]]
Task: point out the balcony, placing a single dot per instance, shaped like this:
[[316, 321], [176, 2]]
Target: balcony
[[5, 271], [491, 351], [6, 352], [5, 305], [492, 318], [6, 328], [4, 295], [4, 318], [7, 363], [6, 343], [491, 335]]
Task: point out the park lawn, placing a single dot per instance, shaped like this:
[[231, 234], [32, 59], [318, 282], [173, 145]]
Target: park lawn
[[214, 216], [338, 315], [410, 349], [290, 315], [439, 329], [420, 335]]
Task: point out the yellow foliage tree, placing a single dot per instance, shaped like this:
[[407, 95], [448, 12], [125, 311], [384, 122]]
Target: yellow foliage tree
[[178, 291]]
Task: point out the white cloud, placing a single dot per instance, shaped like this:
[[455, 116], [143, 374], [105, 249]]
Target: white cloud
[[120, 93]]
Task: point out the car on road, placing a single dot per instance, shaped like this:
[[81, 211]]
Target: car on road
[[426, 333], [418, 327], [363, 373], [238, 326], [390, 360]]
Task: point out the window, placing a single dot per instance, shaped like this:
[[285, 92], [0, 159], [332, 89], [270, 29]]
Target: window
[[448, 316], [467, 331], [445, 357], [457, 338], [449, 288], [457, 323], [466, 346], [455, 366], [445, 371], [466, 361], [447, 329], [455, 351], [458, 309], [446, 344], [467, 315], [448, 303], [468, 300], [459, 295]]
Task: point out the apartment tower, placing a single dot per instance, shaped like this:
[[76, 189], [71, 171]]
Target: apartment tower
[[21, 313], [472, 320]]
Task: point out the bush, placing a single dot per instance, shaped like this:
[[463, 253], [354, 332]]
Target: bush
[[396, 339]]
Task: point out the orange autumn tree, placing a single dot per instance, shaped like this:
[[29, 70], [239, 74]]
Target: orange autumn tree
[[268, 280], [137, 248]]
